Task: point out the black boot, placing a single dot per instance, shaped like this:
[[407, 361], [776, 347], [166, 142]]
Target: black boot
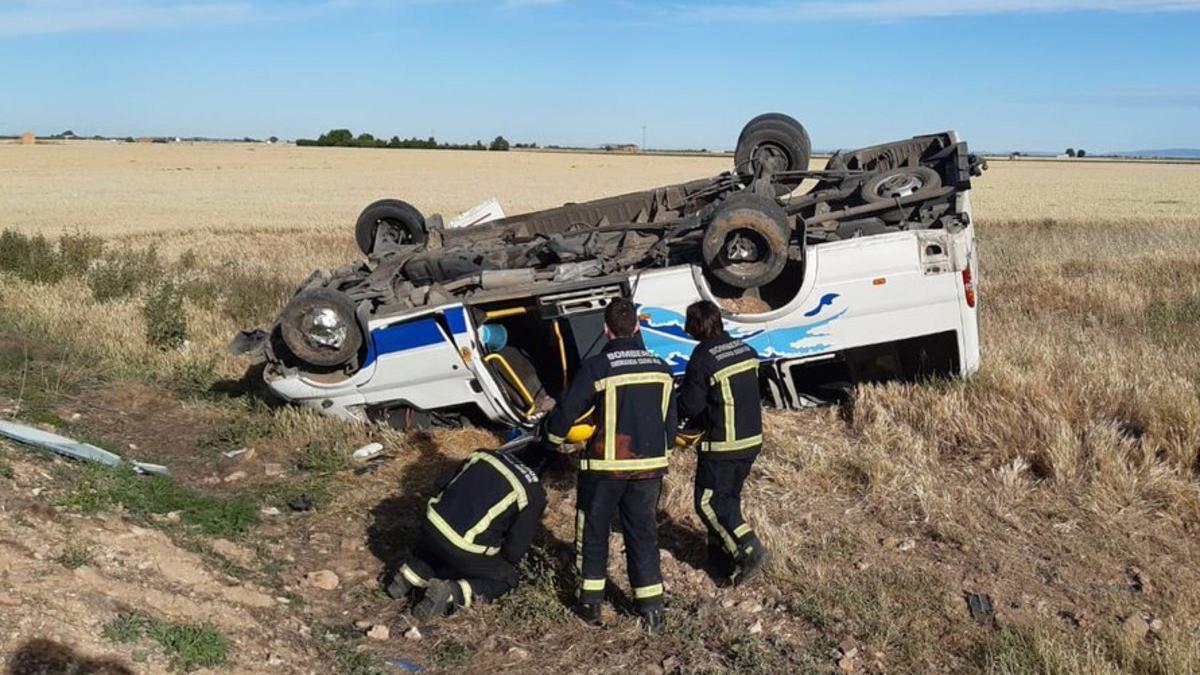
[[653, 620], [718, 564], [440, 598], [589, 612], [398, 588], [754, 563]]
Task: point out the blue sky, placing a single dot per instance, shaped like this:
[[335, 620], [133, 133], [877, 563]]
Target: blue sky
[[1008, 74]]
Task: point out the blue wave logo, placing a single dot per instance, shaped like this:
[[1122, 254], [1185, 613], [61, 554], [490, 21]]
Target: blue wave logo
[[825, 301], [663, 334]]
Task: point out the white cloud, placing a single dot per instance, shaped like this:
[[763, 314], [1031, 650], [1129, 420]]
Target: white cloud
[[893, 10]]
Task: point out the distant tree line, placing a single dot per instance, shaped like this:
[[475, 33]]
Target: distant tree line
[[343, 138], [1072, 152]]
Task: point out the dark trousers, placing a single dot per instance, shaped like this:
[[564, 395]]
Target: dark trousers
[[718, 499], [479, 577], [636, 501]]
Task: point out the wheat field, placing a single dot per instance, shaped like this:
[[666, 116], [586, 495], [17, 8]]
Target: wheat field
[[1058, 481]]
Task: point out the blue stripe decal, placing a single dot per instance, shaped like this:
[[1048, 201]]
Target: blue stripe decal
[[403, 336], [456, 318]]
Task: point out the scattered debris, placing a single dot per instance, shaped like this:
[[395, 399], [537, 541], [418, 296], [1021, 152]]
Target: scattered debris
[[325, 580], [68, 447], [1156, 625], [273, 469], [980, 607], [270, 511], [239, 452], [519, 653], [413, 633], [368, 451], [235, 476], [670, 664], [404, 664], [756, 628], [363, 624], [379, 632], [907, 545], [305, 502]]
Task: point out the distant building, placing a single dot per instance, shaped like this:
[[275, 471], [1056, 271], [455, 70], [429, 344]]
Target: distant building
[[145, 139], [621, 147], [28, 138]]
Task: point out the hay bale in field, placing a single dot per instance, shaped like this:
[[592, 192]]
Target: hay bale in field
[[28, 138]]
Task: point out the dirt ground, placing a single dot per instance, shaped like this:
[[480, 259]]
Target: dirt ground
[[1059, 484]]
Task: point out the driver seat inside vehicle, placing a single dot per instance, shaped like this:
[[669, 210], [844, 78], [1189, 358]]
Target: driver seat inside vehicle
[[518, 377]]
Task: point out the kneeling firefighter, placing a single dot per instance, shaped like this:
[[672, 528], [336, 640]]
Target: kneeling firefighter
[[476, 530], [720, 396]]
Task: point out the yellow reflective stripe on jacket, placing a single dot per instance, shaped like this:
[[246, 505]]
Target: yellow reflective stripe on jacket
[[593, 584], [643, 592], [730, 446], [609, 386], [721, 378], [729, 371], [741, 530], [486, 521], [517, 486], [664, 379], [646, 464], [555, 440], [610, 423], [454, 537]]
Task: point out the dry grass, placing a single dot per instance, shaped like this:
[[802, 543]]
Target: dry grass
[[1069, 461]]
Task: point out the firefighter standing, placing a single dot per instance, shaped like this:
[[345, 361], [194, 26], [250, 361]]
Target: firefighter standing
[[630, 393], [720, 395], [475, 531]]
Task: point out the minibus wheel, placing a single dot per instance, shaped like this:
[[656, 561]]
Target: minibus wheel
[[746, 243], [319, 327], [388, 223]]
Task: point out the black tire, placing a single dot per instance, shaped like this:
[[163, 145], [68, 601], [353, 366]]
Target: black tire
[[745, 244], [775, 138], [298, 317], [403, 222], [905, 181]]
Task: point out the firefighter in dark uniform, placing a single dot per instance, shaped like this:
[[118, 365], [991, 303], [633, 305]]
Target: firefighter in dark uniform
[[720, 396], [475, 531], [630, 394]]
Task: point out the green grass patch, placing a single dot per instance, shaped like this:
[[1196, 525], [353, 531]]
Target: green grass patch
[[75, 556], [100, 488], [127, 627], [537, 602], [347, 661], [39, 260], [166, 322], [322, 458], [123, 273], [451, 654], [6, 470], [188, 646]]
